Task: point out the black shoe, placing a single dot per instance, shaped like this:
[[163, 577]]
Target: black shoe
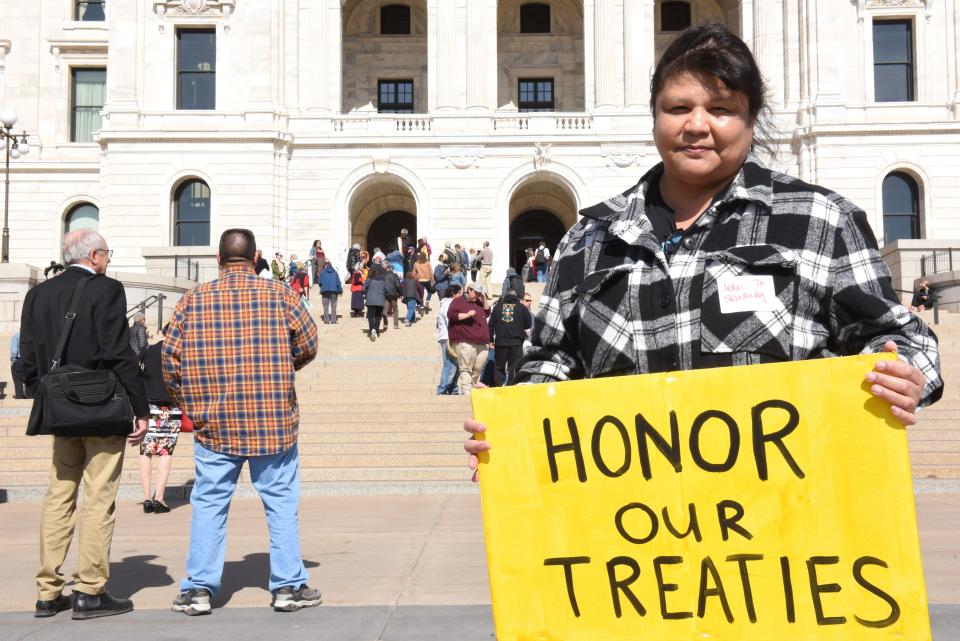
[[93, 606], [51, 607], [193, 602], [160, 508], [288, 599], [149, 506]]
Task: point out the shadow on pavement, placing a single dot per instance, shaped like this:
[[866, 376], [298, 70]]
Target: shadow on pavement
[[135, 573], [252, 572]]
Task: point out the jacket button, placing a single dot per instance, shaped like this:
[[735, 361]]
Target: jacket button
[[689, 242], [664, 300]]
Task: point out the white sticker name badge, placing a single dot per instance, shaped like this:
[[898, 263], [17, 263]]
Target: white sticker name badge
[[747, 294]]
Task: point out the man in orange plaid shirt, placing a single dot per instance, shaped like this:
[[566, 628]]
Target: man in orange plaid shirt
[[228, 362]]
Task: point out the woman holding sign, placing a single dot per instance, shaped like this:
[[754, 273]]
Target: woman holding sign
[[714, 260]]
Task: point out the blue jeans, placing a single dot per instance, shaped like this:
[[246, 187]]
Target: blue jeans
[[449, 372], [277, 479], [411, 310]]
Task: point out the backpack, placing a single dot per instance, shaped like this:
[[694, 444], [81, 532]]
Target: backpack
[[541, 258]]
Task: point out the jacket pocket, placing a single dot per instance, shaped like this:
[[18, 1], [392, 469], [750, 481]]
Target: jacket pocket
[[604, 322], [749, 301]]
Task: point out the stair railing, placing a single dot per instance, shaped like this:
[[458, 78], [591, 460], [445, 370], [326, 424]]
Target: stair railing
[[147, 303]]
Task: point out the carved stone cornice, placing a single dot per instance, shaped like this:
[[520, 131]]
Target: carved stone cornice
[[206, 9], [864, 5]]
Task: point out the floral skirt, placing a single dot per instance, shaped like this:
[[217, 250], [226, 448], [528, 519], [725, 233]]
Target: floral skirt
[[162, 433]]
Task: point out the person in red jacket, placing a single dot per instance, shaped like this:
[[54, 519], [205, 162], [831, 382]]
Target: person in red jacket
[[469, 334]]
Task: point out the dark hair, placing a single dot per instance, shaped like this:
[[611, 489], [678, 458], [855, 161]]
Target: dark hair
[[453, 288], [712, 50], [237, 246]]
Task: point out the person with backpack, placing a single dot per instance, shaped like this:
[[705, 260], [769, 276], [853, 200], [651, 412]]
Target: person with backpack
[[441, 277], [391, 294], [514, 282], [540, 262], [356, 293], [412, 297]]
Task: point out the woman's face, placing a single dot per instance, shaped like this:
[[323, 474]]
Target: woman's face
[[702, 129]]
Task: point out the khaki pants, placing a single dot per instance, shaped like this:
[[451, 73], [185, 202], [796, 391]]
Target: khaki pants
[[485, 272], [471, 357], [98, 461]]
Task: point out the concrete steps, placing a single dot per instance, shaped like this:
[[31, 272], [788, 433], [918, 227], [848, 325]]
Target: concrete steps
[[371, 423]]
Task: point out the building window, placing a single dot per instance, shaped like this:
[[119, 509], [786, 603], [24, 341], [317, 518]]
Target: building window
[[395, 96], [196, 68], [535, 18], [395, 20], [82, 216], [674, 16], [191, 215], [893, 61], [89, 10], [901, 207], [536, 94], [89, 89]]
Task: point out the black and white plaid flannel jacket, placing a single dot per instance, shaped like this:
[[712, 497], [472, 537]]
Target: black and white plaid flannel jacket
[[614, 304]]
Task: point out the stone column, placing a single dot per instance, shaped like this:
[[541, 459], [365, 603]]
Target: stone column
[[122, 69], [606, 58], [260, 54], [481, 54], [955, 8], [768, 33], [637, 43], [822, 22], [746, 24], [447, 54]]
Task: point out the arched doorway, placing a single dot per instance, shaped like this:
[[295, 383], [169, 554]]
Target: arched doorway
[[541, 208], [380, 207], [385, 230], [528, 229]]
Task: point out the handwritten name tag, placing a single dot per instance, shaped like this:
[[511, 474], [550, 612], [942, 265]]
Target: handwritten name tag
[[747, 294]]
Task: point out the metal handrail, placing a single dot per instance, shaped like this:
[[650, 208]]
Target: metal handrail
[[148, 302], [184, 267], [939, 260]]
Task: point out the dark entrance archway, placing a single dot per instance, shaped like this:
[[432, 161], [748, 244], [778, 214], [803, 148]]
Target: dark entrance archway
[[385, 230], [528, 229]]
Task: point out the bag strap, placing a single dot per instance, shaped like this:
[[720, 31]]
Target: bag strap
[[68, 324]]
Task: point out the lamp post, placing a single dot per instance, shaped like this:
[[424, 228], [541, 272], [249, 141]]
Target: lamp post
[[14, 149]]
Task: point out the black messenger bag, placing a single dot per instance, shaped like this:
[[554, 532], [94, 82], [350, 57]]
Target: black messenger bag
[[76, 401]]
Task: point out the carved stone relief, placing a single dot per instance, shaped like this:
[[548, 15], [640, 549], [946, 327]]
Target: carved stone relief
[[462, 157], [541, 155]]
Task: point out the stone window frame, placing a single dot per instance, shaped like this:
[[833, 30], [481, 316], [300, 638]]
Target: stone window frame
[[529, 5], [920, 178], [380, 11], [75, 10], [73, 205], [179, 184], [71, 100], [177, 30], [416, 73], [915, 11], [690, 9], [413, 95], [553, 94], [516, 73]]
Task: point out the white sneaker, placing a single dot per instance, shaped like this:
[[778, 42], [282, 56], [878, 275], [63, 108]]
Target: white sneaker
[[373, 334]]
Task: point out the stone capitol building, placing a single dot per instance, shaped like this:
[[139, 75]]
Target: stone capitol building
[[163, 122]]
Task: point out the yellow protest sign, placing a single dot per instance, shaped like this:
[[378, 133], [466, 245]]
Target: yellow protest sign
[[771, 502]]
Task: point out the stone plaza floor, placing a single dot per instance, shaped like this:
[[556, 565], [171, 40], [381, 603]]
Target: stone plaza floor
[[390, 568]]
